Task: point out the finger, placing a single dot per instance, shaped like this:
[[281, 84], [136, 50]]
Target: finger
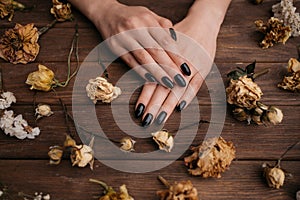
[[144, 98]]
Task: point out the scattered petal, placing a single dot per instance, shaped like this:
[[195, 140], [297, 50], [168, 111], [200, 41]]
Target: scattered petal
[[55, 153]]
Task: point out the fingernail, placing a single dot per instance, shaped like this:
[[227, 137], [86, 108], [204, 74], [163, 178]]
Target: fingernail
[[150, 77], [173, 34], [181, 106], [185, 69], [139, 110], [167, 82], [161, 117], [147, 120], [180, 80]]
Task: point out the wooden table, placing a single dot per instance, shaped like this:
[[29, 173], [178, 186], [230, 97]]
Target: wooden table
[[24, 163]]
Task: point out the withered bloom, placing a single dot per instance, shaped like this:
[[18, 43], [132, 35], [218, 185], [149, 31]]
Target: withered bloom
[[43, 110], [62, 12], [164, 140], [41, 79], [55, 154], [292, 82], [127, 144], [211, 158], [6, 9], [82, 155], [274, 30], [20, 44], [274, 175], [243, 92]]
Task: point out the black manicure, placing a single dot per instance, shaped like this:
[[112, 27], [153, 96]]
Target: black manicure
[[185, 69], [167, 82], [147, 120], [139, 110], [150, 77], [181, 106], [180, 80], [173, 34], [161, 117]]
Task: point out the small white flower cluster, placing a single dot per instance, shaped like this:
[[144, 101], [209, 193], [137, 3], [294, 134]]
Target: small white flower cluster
[[14, 125], [286, 11], [39, 196]]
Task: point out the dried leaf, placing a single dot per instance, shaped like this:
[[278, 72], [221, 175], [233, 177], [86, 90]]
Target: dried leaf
[[292, 82], [55, 154], [127, 144]]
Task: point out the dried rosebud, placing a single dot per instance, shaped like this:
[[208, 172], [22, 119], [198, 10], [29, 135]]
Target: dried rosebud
[[127, 144], [240, 114], [20, 44], [164, 140], [275, 32], [99, 89], [7, 99], [55, 153], [211, 158], [41, 79], [43, 110], [62, 12], [82, 155], [293, 65], [69, 142], [274, 175], [273, 115], [243, 93], [292, 82]]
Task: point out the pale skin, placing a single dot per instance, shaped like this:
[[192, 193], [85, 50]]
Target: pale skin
[[179, 79]]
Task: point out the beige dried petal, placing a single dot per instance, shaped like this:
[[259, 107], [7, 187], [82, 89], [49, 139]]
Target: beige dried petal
[[274, 175], [41, 79], [127, 144], [164, 140], [82, 155], [55, 153], [62, 12], [124, 195], [69, 142], [211, 158], [43, 110], [293, 65], [273, 115]]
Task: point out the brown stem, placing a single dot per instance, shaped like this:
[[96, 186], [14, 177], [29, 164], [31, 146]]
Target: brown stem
[[47, 27], [286, 151], [260, 73], [164, 181], [66, 116]]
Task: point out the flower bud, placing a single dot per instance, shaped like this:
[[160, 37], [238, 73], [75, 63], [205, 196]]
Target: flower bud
[[127, 144], [62, 12], [274, 175], [164, 140], [43, 110], [55, 154], [240, 114], [41, 79]]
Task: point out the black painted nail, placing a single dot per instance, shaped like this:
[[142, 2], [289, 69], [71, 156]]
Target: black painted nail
[[181, 106], [161, 117], [173, 34], [147, 120], [150, 77], [180, 80], [185, 69], [167, 82], [139, 110]]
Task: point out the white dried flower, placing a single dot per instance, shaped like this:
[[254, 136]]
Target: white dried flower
[[46, 197], [164, 140], [286, 11], [1, 193], [82, 155], [43, 110], [99, 89], [7, 99]]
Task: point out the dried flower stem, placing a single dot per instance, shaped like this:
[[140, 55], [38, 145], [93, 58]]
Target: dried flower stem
[[47, 27], [66, 117], [164, 181], [104, 185], [260, 73], [286, 151]]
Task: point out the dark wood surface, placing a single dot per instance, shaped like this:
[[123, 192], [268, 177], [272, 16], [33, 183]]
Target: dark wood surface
[[24, 164]]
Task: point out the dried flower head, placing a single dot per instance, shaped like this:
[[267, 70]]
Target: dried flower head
[[286, 11], [7, 98], [20, 44], [82, 155], [69, 142], [211, 158], [62, 12], [273, 115], [240, 114], [164, 140], [243, 92], [99, 89], [292, 82], [127, 144], [274, 175], [43, 110], [41, 79], [275, 32], [6, 9], [55, 154]]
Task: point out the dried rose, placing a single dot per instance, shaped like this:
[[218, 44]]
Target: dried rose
[[99, 89], [292, 82], [82, 155], [20, 44], [243, 92], [211, 158], [240, 114], [55, 154], [274, 175], [69, 142], [275, 32], [62, 12], [7, 99], [273, 115], [127, 144], [43, 110], [164, 140], [41, 79], [6, 9]]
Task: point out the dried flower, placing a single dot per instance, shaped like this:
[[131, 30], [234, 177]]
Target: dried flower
[[82, 155], [127, 144], [240, 114], [7, 99], [43, 110], [55, 154], [273, 115], [164, 140], [243, 92], [275, 32], [100, 89], [41, 79], [183, 190], [274, 175], [286, 11], [298, 195], [111, 194], [211, 158], [8, 7], [62, 12], [20, 44], [292, 82], [69, 142]]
